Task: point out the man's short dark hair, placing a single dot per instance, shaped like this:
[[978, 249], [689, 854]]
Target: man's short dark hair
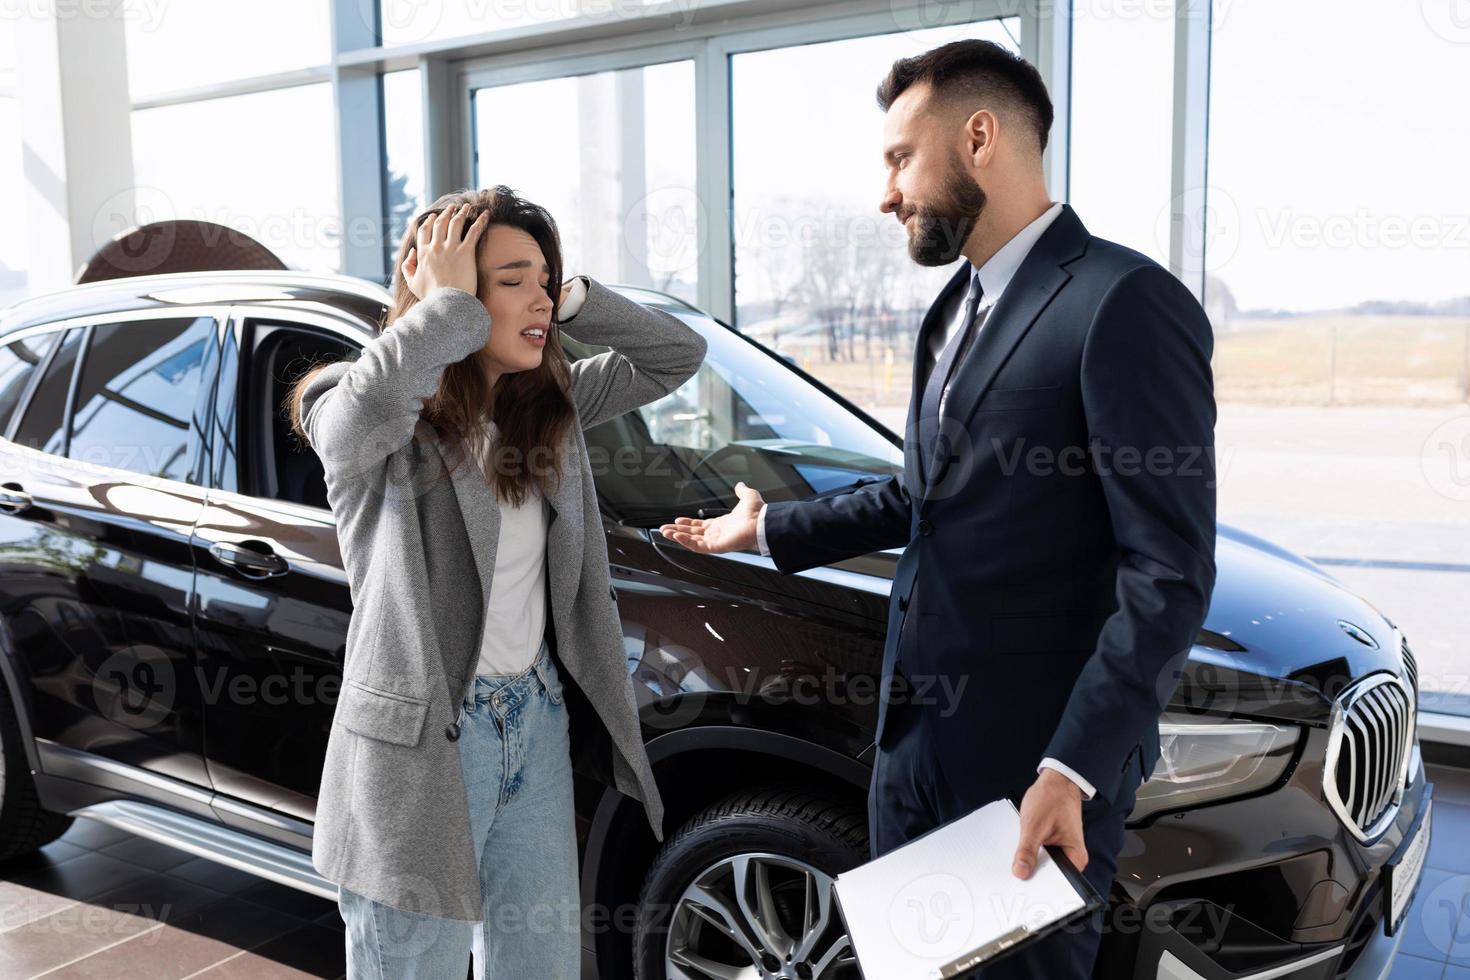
[[969, 73]]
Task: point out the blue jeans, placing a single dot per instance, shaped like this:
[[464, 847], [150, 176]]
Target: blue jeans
[[515, 751]]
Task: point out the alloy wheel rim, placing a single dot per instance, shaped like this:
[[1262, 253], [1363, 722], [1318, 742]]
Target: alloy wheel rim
[[758, 916]]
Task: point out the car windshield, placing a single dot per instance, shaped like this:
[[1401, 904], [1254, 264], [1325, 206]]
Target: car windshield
[[744, 415]]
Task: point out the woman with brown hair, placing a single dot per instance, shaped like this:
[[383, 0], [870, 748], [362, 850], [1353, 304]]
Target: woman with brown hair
[[472, 539]]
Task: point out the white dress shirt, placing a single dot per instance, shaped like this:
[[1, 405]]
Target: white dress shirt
[[994, 275]]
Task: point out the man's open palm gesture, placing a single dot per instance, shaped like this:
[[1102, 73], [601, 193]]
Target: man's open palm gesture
[[730, 532]]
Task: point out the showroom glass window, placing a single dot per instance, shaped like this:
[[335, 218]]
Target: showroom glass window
[[261, 162], [278, 185], [820, 273], [1119, 179], [1337, 249], [403, 138], [13, 245], [176, 46], [411, 21], [611, 156]]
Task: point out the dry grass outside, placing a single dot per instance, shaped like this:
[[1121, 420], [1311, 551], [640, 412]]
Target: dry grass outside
[[1359, 360], [1346, 360]]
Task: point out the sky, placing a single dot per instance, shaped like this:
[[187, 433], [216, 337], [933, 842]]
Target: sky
[[1336, 129]]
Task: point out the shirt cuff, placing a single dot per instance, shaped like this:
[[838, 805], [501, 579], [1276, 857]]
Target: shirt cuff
[[1049, 763], [573, 302], [760, 531]]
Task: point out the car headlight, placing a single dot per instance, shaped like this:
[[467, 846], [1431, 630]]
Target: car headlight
[[1204, 759]]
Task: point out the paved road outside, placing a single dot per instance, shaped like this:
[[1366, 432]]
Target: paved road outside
[[1379, 496]]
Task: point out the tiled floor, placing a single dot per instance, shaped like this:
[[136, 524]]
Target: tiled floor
[[101, 903], [1437, 938]]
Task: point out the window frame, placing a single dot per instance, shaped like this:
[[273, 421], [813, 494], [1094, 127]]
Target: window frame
[[342, 327], [707, 32], [476, 75], [24, 403], [450, 132]]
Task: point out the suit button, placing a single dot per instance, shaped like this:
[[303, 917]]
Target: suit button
[[925, 527], [452, 731], [903, 602]]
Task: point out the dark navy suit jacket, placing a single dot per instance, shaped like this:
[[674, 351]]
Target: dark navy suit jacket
[[1060, 563]]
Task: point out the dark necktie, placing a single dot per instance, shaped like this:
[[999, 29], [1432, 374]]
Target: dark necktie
[[933, 449]]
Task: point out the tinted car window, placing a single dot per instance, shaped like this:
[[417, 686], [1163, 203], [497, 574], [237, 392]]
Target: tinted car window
[[17, 363], [43, 425], [137, 392], [744, 415]]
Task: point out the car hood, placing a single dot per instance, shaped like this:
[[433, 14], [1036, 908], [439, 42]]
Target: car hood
[[1280, 629], [1277, 614]]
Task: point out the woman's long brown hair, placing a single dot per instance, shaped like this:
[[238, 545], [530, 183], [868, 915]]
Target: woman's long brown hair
[[530, 408]]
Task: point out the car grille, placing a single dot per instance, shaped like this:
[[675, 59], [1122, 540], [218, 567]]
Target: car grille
[[1411, 666], [1368, 750]]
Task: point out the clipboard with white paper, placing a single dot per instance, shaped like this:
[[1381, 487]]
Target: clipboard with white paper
[[946, 903]]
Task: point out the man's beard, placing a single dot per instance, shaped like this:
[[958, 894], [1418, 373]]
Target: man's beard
[[940, 230]]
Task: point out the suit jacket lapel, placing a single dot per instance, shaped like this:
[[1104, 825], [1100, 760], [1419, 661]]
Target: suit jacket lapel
[[1041, 274]]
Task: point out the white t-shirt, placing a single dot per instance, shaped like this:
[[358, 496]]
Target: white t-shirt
[[515, 617]]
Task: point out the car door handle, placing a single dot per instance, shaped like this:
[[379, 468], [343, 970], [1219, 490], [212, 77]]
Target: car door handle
[[248, 561], [13, 499]]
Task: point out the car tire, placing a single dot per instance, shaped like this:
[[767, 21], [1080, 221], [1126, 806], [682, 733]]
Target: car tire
[[796, 831], [24, 825]]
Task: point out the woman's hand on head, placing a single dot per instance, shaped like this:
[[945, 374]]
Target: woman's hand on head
[[443, 253]]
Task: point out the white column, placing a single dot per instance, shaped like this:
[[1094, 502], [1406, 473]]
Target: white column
[[598, 142], [357, 103], [712, 163], [447, 111], [1046, 42], [632, 177], [1190, 210], [76, 135]]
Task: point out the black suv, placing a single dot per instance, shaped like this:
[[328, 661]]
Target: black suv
[[173, 613]]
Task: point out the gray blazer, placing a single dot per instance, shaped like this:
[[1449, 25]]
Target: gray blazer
[[392, 821]]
